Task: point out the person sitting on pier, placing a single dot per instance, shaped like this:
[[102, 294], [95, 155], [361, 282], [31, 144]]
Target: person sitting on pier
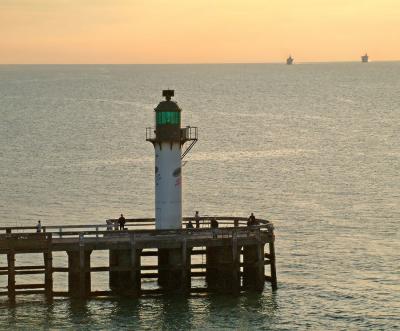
[[197, 219], [252, 220], [121, 222], [109, 225], [189, 225], [214, 226], [38, 227]]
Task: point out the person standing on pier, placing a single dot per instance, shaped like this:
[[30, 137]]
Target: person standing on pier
[[252, 220], [197, 219], [38, 227], [121, 222]]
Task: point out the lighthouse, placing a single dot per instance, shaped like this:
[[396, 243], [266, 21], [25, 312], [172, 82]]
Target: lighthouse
[[168, 139]]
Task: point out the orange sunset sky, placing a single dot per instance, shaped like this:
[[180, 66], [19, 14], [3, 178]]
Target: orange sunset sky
[[194, 31]]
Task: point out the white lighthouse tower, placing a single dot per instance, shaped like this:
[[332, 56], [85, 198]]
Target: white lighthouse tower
[[168, 139]]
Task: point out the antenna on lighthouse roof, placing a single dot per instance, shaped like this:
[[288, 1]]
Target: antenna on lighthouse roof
[[168, 94]]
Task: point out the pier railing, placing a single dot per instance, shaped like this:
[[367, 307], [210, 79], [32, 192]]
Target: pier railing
[[227, 227]]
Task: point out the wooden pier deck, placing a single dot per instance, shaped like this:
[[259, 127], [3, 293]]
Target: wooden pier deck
[[234, 257]]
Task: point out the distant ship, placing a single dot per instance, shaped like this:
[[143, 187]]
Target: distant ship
[[289, 60], [364, 58]]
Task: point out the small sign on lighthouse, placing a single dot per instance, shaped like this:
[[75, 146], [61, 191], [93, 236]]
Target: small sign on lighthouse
[[168, 139]]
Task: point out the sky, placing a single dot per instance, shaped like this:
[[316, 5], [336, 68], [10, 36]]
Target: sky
[[197, 31]]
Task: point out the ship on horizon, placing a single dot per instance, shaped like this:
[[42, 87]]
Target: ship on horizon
[[364, 58], [289, 60]]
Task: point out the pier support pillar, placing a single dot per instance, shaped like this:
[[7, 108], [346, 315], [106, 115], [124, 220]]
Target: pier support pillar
[[235, 266], [48, 267], [174, 268], [163, 262], [113, 273], [274, 281], [135, 279], [125, 271], [186, 267], [48, 275], [253, 267], [170, 268], [223, 268], [79, 282], [11, 275]]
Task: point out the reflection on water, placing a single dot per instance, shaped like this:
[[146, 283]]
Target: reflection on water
[[168, 312]]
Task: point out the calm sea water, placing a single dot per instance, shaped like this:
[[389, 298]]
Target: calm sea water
[[314, 147]]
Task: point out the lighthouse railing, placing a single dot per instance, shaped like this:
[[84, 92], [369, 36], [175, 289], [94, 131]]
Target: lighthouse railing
[[188, 134], [150, 134]]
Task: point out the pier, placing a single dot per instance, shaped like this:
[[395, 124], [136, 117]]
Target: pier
[[234, 257]]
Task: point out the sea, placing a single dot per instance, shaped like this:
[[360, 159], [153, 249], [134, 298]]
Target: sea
[[313, 147]]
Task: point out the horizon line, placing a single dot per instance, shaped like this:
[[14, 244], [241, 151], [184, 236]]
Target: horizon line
[[195, 63]]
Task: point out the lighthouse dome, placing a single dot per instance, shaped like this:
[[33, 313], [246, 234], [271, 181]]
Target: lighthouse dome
[[168, 106], [168, 119]]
